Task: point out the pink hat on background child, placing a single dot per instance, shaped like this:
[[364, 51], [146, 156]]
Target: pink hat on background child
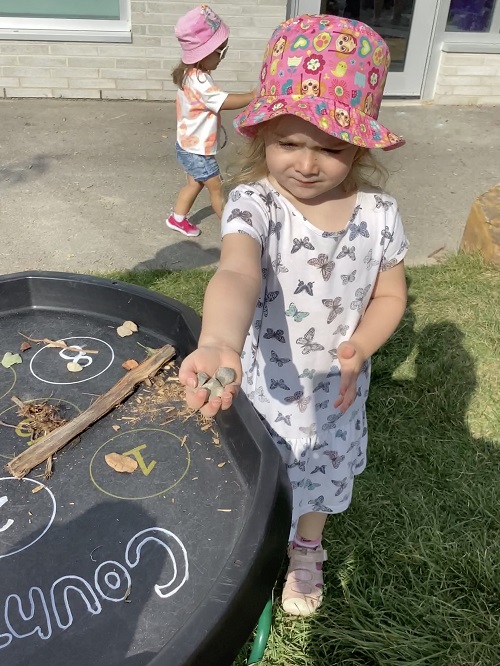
[[200, 32], [328, 70]]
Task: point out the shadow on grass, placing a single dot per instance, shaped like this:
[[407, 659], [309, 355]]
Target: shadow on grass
[[413, 573], [185, 254]]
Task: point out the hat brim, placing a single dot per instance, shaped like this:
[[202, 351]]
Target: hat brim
[[344, 122], [195, 55]]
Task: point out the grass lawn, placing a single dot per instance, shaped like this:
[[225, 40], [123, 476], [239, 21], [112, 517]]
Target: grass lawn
[[413, 576]]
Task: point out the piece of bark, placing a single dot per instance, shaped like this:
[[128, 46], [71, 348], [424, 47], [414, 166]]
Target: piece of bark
[[55, 440]]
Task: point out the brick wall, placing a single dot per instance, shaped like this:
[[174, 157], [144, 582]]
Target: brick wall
[[468, 78], [140, 70]]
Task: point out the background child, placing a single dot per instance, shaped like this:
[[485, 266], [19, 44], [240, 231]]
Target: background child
[[311, 279], [203, 37]]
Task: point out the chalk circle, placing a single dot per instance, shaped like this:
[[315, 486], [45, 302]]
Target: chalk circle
[[25, 515], [171, 459], [13, 435], [8, 379], [48, 366]]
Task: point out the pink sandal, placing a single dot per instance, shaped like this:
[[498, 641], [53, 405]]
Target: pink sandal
[[303, 590]]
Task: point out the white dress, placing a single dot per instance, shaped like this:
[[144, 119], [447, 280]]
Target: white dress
[[316, 286]]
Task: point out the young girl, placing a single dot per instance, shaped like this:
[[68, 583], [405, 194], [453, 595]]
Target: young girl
[[203, 37], [311, 280]]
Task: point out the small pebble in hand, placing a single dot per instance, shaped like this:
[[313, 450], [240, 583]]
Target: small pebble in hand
[[215, 385]]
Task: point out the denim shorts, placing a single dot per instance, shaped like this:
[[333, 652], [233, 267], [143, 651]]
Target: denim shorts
[[200, 167]]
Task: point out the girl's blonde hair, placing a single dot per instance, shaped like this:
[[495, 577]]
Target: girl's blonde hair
[[366, 170], [179, 73]]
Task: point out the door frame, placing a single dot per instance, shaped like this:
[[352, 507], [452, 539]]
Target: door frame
[[411, 81]]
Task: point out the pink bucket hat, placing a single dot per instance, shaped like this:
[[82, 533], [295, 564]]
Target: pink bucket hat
[[200, 32], [328, 70]]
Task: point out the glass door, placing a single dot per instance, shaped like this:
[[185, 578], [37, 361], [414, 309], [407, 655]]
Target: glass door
[[406, 25]]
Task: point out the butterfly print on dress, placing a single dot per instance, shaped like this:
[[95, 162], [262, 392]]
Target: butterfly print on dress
[[305, 483], [356, 230], [369, 261], [279, 361], [259, 392], [348, 278], [278, 383], [235, 195], [299, 243], [302, 286], [307, 343], [342, 329], [325, 386], [335, 458], [293, 312], [237, 214], [386, 235], [360, 294], [277, 335], [331, 421], [309, 431], [318, 504], [278, 265], [307, 373], [268, 298], [341, 486], [275, 229], [298, 463], [319, 468], [298, 399], [334, 305], [347, 252], [322, 405], [283, 417], [326, 267], [382, 204]]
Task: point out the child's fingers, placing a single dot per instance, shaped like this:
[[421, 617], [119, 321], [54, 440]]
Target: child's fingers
[[195, 398]]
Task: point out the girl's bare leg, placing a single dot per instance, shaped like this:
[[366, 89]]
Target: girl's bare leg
[[187, 196], [310, 525], [214, 187]]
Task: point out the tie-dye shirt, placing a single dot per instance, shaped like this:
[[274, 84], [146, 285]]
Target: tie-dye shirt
[[198, 113]]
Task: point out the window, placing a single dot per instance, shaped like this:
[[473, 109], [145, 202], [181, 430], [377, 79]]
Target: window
[[85, 20], [475, 24], [470, 16]]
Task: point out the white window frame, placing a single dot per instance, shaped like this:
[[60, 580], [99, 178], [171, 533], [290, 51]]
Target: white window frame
[[69, 30]]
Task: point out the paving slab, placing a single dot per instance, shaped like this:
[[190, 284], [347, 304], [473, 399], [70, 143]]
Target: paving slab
[[85, 185]]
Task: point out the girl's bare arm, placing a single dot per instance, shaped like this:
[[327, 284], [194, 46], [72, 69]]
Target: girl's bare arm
[[229, 305]]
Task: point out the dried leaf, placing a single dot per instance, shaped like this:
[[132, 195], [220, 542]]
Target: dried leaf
[[116, 427], [10, 359], [130, 364], [24, 346], [121, 463], [123, 331], [131, 325], [74, 367]]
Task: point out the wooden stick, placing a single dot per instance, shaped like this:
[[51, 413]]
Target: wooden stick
[[51, 443]]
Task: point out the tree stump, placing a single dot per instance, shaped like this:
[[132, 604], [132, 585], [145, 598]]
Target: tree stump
[[482, 230]]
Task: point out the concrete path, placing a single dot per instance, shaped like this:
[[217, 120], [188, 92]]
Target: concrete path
[[85, 185]]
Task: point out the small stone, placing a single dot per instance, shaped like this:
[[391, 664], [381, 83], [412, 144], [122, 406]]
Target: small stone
[[212, 385], [202, 379], [225, 376]]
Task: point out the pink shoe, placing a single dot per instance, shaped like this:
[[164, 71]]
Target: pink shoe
[[185, 226], [303, 590]]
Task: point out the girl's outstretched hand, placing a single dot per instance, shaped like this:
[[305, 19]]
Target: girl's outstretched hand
[[351, 359], [208, 360]]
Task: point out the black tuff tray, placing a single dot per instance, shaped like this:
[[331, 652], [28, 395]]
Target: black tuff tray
[[170, 565]]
